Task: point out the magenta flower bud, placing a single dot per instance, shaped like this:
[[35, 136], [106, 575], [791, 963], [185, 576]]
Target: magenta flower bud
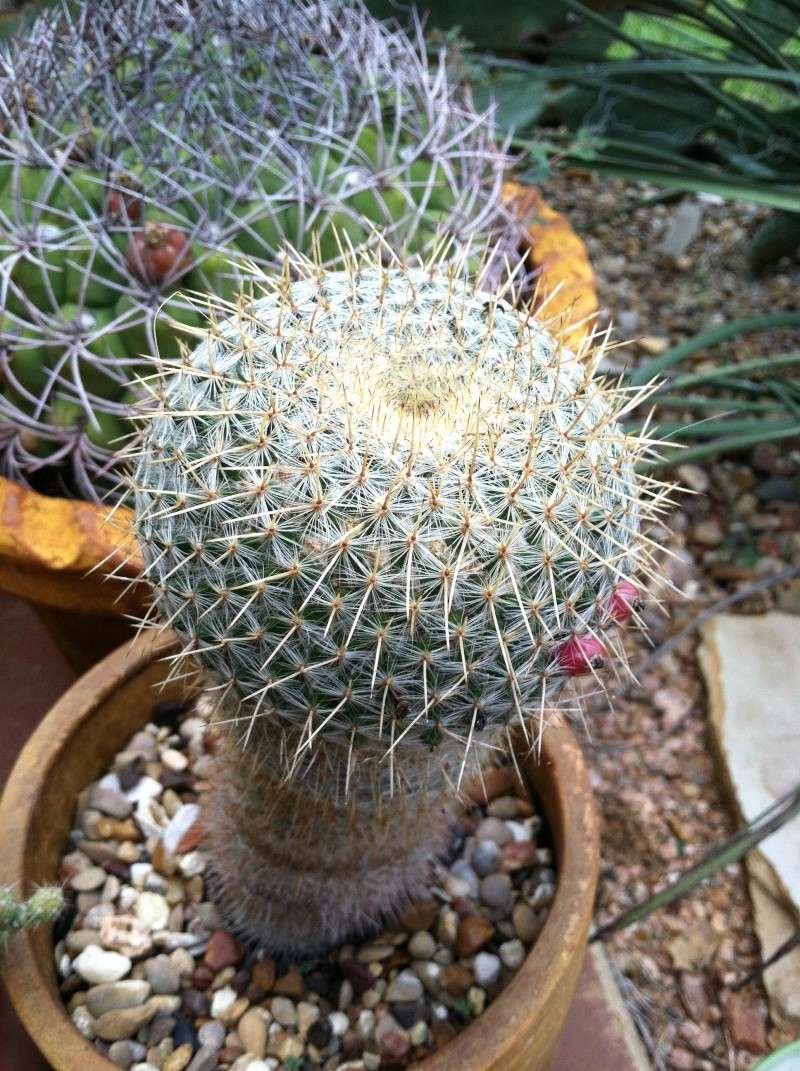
[[580, 655], [624, 600]]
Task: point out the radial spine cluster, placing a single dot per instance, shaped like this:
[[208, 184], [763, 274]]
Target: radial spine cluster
[[387, 509]]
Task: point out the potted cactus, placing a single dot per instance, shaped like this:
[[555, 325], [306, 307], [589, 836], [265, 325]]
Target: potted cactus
[[390, 517], [310, 123]]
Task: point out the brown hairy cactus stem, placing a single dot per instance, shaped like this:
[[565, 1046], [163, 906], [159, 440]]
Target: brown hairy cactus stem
[[299, 864]]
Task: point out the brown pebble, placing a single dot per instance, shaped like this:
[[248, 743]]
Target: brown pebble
[[191, 838], [473, 933], [113, 829], [130, 774], [442, 1032], [179, 1059], [291, 984], [494, 781], [745, 1023], [509, 807], [254, 993], [263, 974], [240, 981], [395, 1049], [456, 979], [358, 974], [195, 1003], [164, 863], [178, 780], [352, 1045], [400, 958], [229, 1054], [223, 950], [694, 996], [97, 850], [122, 1022], [463, 906], [118, 869], [420, 916], [517, 855], [203, 976]]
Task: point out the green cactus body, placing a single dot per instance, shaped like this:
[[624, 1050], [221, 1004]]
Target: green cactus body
[[317, 138], [389, 514], [41, 908]]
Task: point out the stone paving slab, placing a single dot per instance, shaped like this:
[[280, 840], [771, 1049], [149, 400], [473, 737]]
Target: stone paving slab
[[752, 669]]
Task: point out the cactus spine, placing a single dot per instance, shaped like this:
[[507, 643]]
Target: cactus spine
[[153, 145], [41, 907], [391, 516]]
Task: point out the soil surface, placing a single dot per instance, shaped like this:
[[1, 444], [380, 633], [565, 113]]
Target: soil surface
[[662, 801]]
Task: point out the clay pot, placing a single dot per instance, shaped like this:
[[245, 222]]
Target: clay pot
[[55, 553], [79, 738]]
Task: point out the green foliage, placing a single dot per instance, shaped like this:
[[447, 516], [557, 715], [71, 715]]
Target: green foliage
[[689, 95], [750, 402]]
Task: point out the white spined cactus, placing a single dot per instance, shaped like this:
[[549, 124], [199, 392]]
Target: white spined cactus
[[388, 512]]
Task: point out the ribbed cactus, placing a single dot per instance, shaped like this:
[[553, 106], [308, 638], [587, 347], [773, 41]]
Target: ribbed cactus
[[391, 515], [41, 907], [154, 145]]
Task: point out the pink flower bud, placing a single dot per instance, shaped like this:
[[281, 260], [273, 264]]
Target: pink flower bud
[[580, 655], [624, 600]]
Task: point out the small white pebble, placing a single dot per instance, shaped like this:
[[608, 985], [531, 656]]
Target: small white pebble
[[96, 965], [222, 1000], [180, 824], [512, 953], [418, 1034], [127, 897], [486, 968], [174, 760], [139, 873], [520, 833], [192, 863], [146, 788], [477, 998], [339, 1023]]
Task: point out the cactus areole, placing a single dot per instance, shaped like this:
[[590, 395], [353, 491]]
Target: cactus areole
[[388, 514]]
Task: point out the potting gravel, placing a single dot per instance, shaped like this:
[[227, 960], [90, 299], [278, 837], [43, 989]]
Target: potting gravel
[[151, 975]]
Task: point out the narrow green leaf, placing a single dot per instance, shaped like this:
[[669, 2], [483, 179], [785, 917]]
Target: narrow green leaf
[[730, 851], [712, 337]]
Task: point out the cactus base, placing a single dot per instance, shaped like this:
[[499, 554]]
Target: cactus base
[[296, 869]]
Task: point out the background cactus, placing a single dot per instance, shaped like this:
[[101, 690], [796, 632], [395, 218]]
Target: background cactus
[[391, 515], [146, 146], [41, 907]]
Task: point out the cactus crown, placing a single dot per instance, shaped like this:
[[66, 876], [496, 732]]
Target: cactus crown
[[386, 509], [146, 146]]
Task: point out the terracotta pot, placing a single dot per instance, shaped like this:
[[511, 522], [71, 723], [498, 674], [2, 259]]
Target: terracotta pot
[[55, 553], [79, 738]]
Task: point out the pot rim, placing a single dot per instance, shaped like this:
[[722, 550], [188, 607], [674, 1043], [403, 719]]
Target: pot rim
[[32, 987]]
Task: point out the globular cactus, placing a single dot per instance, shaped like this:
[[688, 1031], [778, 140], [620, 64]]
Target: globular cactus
[[154, 145], [42, 907], [391, 516]]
